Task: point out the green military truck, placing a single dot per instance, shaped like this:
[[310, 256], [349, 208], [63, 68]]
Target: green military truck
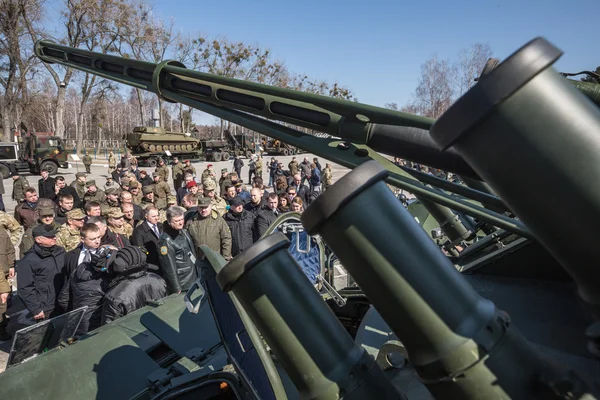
[[33, 152]]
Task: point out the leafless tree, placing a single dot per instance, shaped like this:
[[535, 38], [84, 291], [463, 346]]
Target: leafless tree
[[469, 65]]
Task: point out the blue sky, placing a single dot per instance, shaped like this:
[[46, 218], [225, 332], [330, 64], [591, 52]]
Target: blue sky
[[376, 48]]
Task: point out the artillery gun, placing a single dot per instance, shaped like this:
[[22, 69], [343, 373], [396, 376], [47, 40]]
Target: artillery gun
[[502, 318]]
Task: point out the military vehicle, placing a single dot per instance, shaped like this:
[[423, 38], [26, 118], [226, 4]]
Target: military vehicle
[[504, 305], [31, 153]]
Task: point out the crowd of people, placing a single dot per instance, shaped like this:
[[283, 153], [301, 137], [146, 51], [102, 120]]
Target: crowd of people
[[114, 248]]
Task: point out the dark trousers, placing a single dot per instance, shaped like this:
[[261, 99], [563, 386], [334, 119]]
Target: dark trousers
[[2, 204], [252, 172]]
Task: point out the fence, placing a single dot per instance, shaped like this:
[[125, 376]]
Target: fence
[[98, 149]]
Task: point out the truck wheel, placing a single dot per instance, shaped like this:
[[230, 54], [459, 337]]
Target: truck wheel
[[217, 157], [225, 156], [50, 166], [5, 171], [248, 154], [151, 162]]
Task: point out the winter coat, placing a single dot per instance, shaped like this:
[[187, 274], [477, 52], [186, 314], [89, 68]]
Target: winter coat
[[242, 229], [177, 258], [264, 220]]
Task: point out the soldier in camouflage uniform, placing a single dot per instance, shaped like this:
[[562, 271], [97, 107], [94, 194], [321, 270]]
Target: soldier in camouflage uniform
[[224, 180], [161, 191], [178, 173], [208, 174], [189, 167], [117, 224], [87, 161], [79, 185], [46, 218], [259, 167], [162, 170], [112, 162], [68, 236], [327, 176], [7, 271], [93, 193], [111, 201], [136, 193], [110, 183], [209, 228], [293, 166], [12, 226], [219, 205], [20, 183], [148, 198]]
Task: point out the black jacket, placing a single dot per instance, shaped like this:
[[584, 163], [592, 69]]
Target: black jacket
[[41, 278], [181, 192], [77, 203], [242, 230], [144, 238], [255, 209], [131, 292], [177, 258], [264, 220], [46, 188], [114, 239], [86, 287]]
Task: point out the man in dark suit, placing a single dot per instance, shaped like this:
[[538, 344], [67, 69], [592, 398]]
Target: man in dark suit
[[46, 186], [267, 216], [146, 235]]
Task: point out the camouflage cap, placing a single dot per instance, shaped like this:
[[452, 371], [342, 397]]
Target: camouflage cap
[[134, 185], [112, 190], [209, 184], [223, 170], [115, 212], [204, 201], [45, 211], [90, 183], [155, 174], [125, 181], [147, 189], [171, 199], [80, 174], [76, 213]]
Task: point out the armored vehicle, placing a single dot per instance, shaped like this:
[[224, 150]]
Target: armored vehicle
[[148, 144], [503, 303]]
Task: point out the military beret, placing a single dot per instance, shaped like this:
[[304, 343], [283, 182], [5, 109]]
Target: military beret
[[187, 161], [147, 189], [80, 174], [209, 184], [236, 201], [191, 184], [171, 199], [90, 183], [45, 211], [115, 213], [209, 166], [76, 213], [223, 170], [44, 230], [111, 190], [204, 202]]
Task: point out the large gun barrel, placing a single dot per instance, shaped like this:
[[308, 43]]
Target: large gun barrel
[[533, 137], [319, 355], [387, 131], [461, 346]]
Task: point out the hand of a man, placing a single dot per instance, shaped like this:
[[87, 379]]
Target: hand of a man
[[11, 272], [40, 315], [3, 298]]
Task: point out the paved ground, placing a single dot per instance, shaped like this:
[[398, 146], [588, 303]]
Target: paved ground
[[99, 171]]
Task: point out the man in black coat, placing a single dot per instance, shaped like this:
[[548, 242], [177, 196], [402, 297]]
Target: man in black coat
[[177, 255], [133, 285], [146, 235], [267, 216], [107, 236], [46, 186], [41, 274], [242, 226], [64, 189]]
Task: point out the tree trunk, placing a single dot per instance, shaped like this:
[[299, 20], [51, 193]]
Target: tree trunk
[[181, 118], [5, 123], [142, 107], [60, 112]]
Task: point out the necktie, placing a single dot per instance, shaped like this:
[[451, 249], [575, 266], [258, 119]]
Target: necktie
[[155, 228], [87, 257]]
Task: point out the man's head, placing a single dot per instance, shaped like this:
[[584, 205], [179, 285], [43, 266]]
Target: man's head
[[126, 197], [148, 193], [75, 218], [90, 236], [257, 182], [100, 222], [236, 205], [156, 177], [175, 160], [16, 176], [31, 195], [291, 192], [175, 217], [44, 173], [297, 179], [255, 195], [190, 200], [230, 191], [46, 215], [272, 201], [127, 209], [112, 194], [204, 206], [224, 173], [92, 209], [44, 235], [116, 218], [151, 215], [60, 182], [91, 186], [81, 177]]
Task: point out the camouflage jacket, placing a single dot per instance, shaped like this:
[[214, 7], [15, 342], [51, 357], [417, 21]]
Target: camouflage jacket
[[219, 205], [87, 160], [19, 186], [259, 166], [79, 188], [293, 167], [213, 232], [7, 253], [98, 197], [327, 176], [178, 171], [161, 191], [68, 237], [163, 171], [126, 230], [112, 161]]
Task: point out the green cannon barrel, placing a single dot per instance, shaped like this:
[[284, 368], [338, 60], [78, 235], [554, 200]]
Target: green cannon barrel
[[534, 137], [316, 351], [387, 131], [461, 346]]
